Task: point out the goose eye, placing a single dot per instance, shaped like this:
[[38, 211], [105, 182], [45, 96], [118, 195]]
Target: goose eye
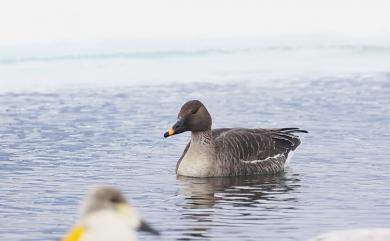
[[115, 199], [194, 112]]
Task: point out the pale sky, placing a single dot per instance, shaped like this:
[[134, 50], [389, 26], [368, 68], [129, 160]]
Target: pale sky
[[83, 21]]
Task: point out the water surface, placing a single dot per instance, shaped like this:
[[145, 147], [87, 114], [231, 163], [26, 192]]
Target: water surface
[[56, 145]]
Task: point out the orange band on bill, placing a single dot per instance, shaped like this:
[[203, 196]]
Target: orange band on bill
[[74, 234], [171, 131]]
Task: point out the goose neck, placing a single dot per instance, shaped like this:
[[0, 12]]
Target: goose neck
[[201, 137]]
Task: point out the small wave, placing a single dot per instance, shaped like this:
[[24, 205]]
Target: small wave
[[165, 54]]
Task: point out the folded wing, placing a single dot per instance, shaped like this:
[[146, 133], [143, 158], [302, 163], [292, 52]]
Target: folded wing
[[255, 150]]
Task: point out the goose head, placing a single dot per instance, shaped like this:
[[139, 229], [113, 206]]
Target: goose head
[[103, 201], [193, 116]]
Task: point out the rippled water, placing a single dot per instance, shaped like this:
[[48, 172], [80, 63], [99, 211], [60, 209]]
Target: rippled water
[[55, 146]]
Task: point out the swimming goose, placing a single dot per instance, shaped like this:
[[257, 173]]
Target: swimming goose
[[373, 234], [106, 215], [230, 151]]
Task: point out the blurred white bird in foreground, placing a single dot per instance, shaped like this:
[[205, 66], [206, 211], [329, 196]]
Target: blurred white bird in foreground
[[107, 216], [373, 234]]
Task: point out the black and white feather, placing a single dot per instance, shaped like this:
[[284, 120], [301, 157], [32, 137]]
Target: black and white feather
[[254, 151]]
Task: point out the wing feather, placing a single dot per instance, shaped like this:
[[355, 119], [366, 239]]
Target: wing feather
[[255, 150]]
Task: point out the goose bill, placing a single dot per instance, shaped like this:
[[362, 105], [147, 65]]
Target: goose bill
[[147, 228], [74, 234], [177, 128]]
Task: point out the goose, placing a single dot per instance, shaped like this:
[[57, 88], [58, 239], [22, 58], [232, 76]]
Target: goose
[[230, 151], [370, 234], [106, 215]]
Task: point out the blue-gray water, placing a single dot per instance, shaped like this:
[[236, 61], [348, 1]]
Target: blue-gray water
[[56, 145]]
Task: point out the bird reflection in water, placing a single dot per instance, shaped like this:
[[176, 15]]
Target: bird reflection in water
[[209, 200]]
